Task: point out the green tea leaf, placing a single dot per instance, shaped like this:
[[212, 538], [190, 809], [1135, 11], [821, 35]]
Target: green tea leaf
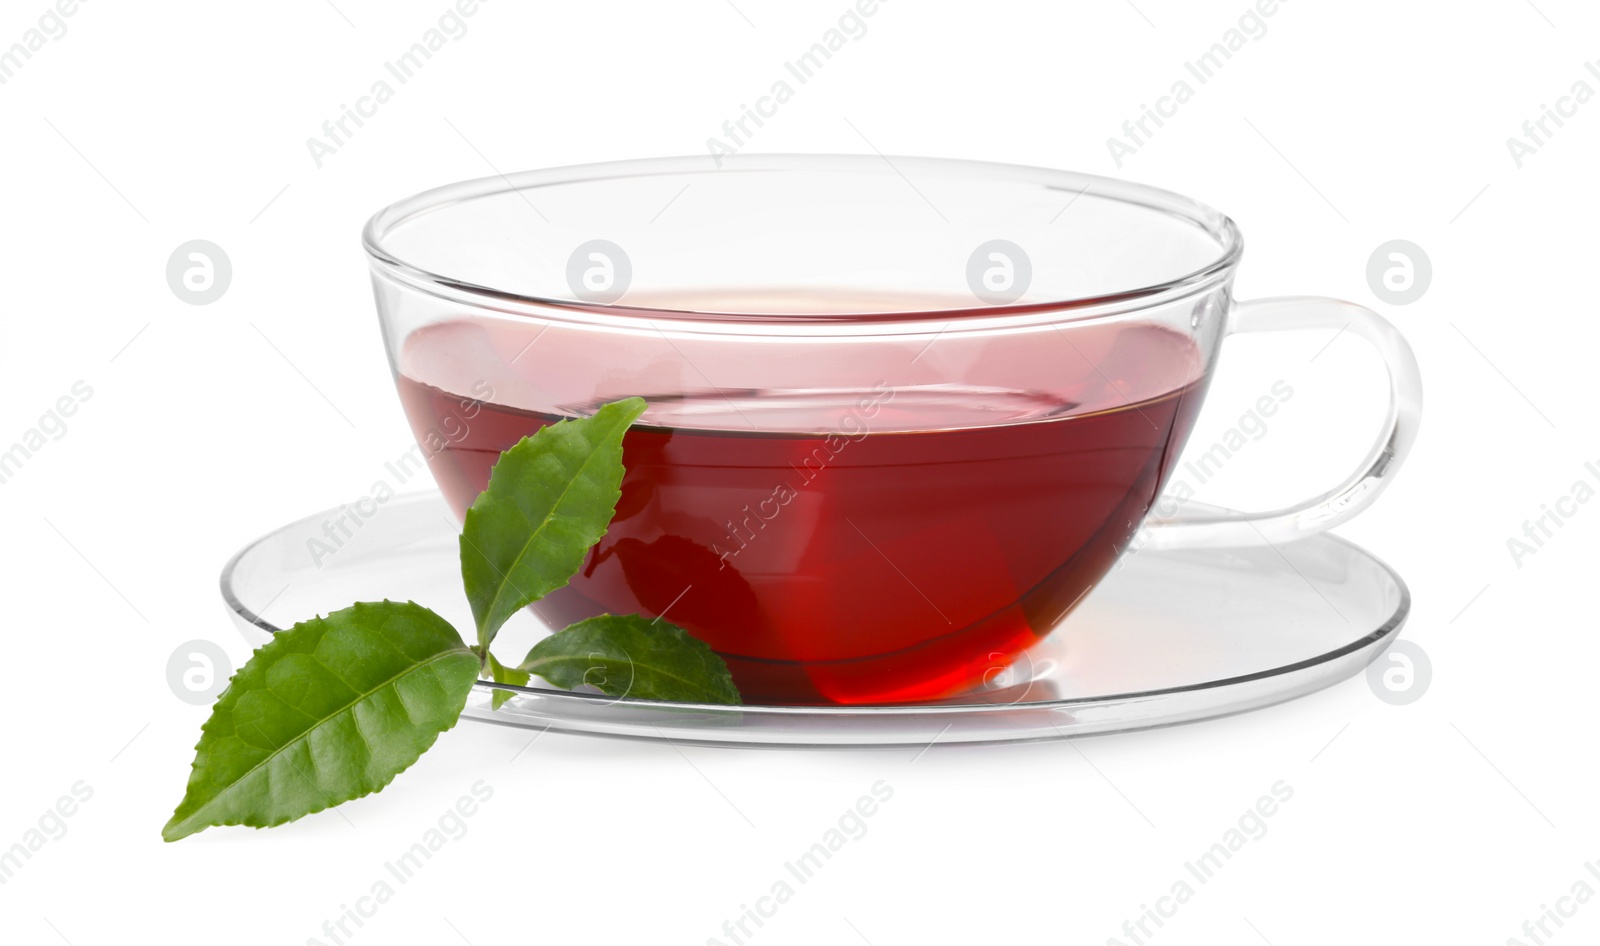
[[550, 498], [500, 673], [634, 657], [327, 711]]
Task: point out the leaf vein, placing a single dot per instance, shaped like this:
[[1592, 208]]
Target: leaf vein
[[301, 737], [494, 603]]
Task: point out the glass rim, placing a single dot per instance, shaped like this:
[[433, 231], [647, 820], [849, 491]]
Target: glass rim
[[1214, 223]]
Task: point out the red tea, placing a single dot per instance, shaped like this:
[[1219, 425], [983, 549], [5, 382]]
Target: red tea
[[908, 544]]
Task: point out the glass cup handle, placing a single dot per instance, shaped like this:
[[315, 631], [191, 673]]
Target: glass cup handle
[[1203, 526]]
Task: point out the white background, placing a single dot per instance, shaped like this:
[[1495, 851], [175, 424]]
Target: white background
[[1452, 819]]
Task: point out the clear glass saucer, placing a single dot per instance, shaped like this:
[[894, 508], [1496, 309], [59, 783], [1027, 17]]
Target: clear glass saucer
[[1167, 637]]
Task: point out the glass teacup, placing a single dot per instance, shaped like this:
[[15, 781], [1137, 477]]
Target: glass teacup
[[903, 413]]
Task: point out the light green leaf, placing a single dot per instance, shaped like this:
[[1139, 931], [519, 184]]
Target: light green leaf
[[634, 657], [500, 673], [329, 710], [550, 498]]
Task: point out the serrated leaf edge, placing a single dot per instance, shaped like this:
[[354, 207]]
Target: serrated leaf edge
[[485, 636], [167, 832]]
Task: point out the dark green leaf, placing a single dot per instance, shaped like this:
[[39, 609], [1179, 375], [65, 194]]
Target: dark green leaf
[[634, 657], [329, 710], [550, 498]]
